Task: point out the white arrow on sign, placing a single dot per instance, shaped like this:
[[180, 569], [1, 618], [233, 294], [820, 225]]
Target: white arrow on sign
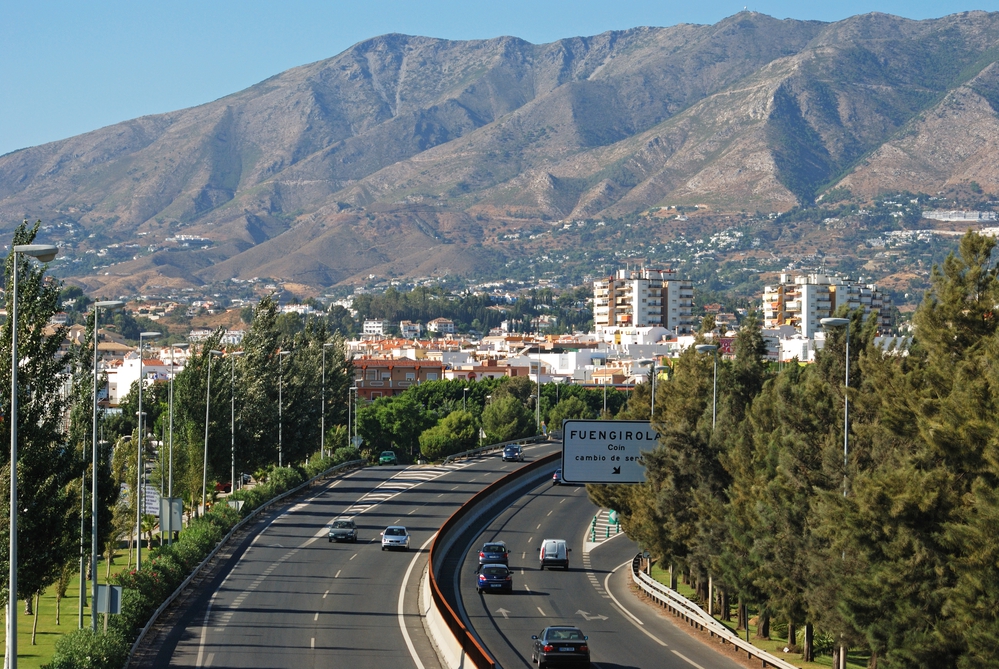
[[588, 617], [504, 612]]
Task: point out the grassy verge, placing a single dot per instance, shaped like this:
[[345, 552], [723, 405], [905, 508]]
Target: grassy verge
[[775, 646], [33, 657]]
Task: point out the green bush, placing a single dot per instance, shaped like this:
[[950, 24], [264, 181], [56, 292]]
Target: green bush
[[84, 648], [346, 454]]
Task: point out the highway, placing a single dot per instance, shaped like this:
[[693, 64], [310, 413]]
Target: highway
[[593, 594], [292, 599]]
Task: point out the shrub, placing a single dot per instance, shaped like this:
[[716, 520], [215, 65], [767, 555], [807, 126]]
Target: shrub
[[84, 648]]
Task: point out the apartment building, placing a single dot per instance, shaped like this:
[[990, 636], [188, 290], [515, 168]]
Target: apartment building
[[644, 298], [803, 301]]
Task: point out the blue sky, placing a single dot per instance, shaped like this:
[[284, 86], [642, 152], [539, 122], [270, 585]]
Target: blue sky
[[70, 66]]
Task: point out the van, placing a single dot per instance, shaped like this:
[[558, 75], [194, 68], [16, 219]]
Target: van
[[554, 553]]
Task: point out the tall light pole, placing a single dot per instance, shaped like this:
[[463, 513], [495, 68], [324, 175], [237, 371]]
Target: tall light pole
[[44, 253], [208, 402], [140, 468], [108, 304], [322, 411], [712, 348], [464, 394], [281, 355], [352, 389], [840, 323], [232, 417], [170, 484], [652, 363], [537, 407]]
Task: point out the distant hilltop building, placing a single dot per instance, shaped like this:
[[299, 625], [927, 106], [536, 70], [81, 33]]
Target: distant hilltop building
[[941, 215], [802, 301], [642, 298]]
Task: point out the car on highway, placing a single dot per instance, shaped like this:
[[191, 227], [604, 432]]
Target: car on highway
[[554, 553], [388, 458], [343, 530], [494, 552], [513, 453], [395, 537], [560, 645], [557, 477], [494, 577]]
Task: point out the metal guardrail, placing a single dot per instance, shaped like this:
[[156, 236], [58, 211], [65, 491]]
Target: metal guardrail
[[169, 600], [475, 651], [696, 616], [492, 447]]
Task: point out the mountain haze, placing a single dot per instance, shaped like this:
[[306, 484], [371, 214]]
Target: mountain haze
[[409, 155]]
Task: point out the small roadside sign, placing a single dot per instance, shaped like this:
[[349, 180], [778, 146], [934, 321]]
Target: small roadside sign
[[605, 451]]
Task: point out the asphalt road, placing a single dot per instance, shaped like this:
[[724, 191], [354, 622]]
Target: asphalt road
[[593, 594], [292, 599]]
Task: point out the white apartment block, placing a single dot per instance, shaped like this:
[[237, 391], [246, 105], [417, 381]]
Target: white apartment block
[[803, 301], [644, 298], [374, 327], [409, 330]]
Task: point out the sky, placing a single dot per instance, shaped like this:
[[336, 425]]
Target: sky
[[69, 67]]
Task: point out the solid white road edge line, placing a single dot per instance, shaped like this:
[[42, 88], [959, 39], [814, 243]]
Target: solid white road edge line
[[687, 659], [402, 599], [630, 617]]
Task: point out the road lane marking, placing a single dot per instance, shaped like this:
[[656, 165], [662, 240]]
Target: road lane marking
[[313, 643], [337, 576], [629, 616], [400, 612], [561, 500], [687, 659], [455, 488], [549, 513], [529, 539], [523, 555], [328, 592], [352, 557], [527, 587], [538, 527], [211, 656], [441, 495], [317, 617], [542, 612], [412, 512]]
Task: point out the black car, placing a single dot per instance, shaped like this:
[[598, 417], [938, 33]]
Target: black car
[[560, 645], [513, 454], [494, 577], [343, 530], [494, 552]]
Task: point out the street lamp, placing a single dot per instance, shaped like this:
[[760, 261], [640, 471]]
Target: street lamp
[[232, 418], [352, 389], [712, 348], [139, 496], [44, 253], [108, 304], [208, 401], [464, 394], [170, 485], [840, 323], [322, 412], [281, 355]]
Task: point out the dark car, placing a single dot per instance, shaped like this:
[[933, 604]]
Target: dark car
[[343, 530], [494, 552], [513, 454], [557, 477], [223, 487], [494, 577], [560, 645]]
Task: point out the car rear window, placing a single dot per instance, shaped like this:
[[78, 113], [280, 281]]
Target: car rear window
[[494, 548], [495, 571]]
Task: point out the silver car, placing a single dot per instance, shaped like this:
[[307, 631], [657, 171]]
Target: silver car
[[395, 537]]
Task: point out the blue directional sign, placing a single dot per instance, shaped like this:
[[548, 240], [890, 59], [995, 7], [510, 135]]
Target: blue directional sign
[[606, 451]]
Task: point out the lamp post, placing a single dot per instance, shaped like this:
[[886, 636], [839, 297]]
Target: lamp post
[[537, 406], [140, 469], [281, 355], [464, 394], [44, 253], [352, 389], [843, 323], [232, 418], [170, 484], [108, 304], [322, 409], [643, 362], [208, 402], [712, 348]]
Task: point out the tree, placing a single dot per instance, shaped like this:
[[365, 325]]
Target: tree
[[457, 432], [505, 418], [570, 408], [47, 518]]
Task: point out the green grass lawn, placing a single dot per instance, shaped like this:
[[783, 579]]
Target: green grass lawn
[[775, 646], [32, 657]]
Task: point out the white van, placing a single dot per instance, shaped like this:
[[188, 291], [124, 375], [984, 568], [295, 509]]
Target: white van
[[554, 553]]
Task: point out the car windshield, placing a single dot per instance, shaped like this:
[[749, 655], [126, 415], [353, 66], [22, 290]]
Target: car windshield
[[494, 548], [388, 454], [341, 524], [551, 547], [495, 571], [395, 532]]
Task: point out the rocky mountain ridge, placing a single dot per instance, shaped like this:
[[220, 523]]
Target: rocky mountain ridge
[[413, 156]]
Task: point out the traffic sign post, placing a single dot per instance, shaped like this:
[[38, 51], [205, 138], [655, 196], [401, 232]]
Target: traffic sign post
[[605, 451]]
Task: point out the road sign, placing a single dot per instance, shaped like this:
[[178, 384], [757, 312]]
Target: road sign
[[171, 514], [605, 451], [357, 441], [151, 499], [109, 599]]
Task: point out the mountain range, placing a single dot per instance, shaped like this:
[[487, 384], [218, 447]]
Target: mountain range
[[413, 156]]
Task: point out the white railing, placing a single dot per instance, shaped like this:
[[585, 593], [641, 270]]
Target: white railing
[[695, 615]]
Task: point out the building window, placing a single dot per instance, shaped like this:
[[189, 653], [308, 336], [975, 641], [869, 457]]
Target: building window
[[372, 374], [431, 376], [410, 376]]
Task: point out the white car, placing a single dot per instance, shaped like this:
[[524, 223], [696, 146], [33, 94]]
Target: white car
[[395, 536]]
